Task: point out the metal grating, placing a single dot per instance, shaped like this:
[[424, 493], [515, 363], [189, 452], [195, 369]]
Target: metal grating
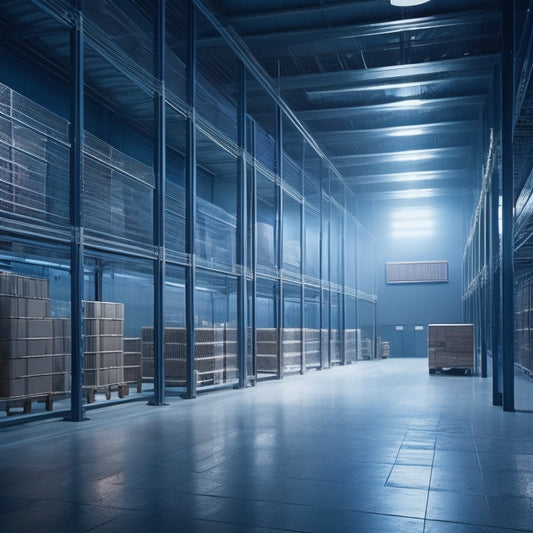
[[417, 272]]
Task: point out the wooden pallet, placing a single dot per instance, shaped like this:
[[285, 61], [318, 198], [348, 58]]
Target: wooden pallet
[[122, 388], [26, 401]]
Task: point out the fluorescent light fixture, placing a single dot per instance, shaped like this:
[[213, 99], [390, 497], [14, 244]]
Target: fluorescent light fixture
[[412, 156], [407, 132], [413, 224], [412, 234], [414, 193], [407, 3]]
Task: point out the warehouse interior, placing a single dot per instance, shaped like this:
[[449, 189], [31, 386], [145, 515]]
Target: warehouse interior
[[204, 195], [271, 203]]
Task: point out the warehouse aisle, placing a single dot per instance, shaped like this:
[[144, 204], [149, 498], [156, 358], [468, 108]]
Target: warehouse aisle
[[379, 446]]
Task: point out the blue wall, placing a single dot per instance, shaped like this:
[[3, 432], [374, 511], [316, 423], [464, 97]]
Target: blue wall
[[441, 236]]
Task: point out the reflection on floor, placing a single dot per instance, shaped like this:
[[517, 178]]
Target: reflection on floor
[[380, 446]]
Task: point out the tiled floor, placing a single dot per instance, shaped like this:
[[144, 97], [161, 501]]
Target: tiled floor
[[379, 446]]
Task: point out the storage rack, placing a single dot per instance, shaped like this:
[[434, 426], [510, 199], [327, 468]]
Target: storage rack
[[124, 210]]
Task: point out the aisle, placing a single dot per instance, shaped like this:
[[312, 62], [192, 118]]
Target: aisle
[[379, 446]]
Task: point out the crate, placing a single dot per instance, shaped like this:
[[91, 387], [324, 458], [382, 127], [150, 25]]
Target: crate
[[450, 346]]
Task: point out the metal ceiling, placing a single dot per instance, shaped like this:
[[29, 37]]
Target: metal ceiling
[[395, 97]]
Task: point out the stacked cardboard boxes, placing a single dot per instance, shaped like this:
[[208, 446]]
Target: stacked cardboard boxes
[[350, 345], [104, 344], [335, 347], [175, 354], [267, 350], [61, 336], [450, 346], [26, 346], [132, 362], [215, 355], [312, 347], [292, 349]]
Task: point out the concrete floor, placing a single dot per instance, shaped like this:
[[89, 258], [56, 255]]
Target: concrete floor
[[379, 446]]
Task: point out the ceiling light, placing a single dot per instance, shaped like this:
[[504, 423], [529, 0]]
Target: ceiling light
[[407, 3]]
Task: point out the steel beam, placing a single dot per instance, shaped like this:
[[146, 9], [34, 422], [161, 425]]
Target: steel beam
[[242, 233], [190, 206], [77, 245], [508, 99], [159, 204]]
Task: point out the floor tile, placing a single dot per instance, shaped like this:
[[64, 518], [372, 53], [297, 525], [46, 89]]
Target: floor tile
[[341, 450]]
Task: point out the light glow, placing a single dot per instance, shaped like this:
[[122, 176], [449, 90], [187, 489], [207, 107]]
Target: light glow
[[412, 223], [407, 3], [407, 132]]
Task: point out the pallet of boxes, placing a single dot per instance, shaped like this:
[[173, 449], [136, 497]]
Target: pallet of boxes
[[30, 368], [451, 348], [104, 350]]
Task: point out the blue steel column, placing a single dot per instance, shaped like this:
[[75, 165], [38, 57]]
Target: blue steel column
[[303, 365], [279, 234], [159, 205], [343, 298], [253, 194], [321, 266], [190, 198], [484, 288], [77, 246], [507, 205], [495, 260], [242, 226]]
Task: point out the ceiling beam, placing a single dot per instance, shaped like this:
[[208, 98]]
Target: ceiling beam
[[406, 155], [406, 105], [437, 128], [464, 77], [281, 39], [479, 63]]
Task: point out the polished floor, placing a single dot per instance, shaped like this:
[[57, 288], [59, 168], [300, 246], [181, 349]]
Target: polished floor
[[379, 446]]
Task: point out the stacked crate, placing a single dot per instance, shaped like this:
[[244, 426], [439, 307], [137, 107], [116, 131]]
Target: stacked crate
[[267, 350], [231, 351], [61, 335], [335, 346], [312, 347], [324, 346], [175, 355], [209, 355], [132, 362], [104, 344], [292, 349], [175, 351], [350, 345], [524, 329], [26, 347], [450, 346], [366, 349]]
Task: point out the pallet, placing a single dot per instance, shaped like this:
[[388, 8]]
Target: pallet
[[26, 401], [122, 388], [467, 371]]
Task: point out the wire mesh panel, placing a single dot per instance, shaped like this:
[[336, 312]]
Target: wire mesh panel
[[217, 78], [123, 32], [292, 328], [176, 50], [215, 235], [311, 331], [293, 152], [261, 126], [336, 333], [292, 249], [266, 222], [117, 193], [34, 161], [266, 326], [216, 341]]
